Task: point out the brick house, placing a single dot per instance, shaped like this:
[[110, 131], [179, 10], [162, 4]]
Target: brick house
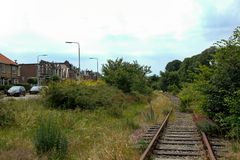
[[47, 70], [27, 71], [9, 71]]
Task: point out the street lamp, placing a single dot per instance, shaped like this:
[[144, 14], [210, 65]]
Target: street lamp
[[97, 64], [38, 68], [79, 70]]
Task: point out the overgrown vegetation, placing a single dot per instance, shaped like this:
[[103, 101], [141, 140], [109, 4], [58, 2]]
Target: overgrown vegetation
[[99, 133], [7, 117], [208, 126], [209, 84], [50, 140], [129, 77], [150, 114], [72, 94]]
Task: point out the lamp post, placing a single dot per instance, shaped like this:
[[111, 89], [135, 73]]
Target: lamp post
[[79, 70], [97, 64], [38, 68]]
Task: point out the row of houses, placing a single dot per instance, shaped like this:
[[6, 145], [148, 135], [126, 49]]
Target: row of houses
[[13, 73]]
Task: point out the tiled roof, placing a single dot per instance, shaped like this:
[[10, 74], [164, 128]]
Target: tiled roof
[[5, 60]]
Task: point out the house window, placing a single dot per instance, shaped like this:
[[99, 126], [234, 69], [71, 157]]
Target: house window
[[2, 68], [14, 69]]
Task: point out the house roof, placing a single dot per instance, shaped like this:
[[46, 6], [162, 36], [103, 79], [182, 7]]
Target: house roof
[[5, 60]]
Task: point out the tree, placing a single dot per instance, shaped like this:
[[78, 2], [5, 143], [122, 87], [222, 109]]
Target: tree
[[169, 80], [224, 85], [128, 77], [173, 66], [190, 66], [154, 81]]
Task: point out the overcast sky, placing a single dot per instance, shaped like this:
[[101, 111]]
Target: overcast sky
[[153, 32]]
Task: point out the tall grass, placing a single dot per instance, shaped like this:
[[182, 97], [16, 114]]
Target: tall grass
[[7, 117], [50, 139], [150, 115], [158, 108], [91, 134]]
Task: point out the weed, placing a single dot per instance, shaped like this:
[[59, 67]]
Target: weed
[[208, 126], [235, 147], [49, 139], [131, 124], [7, 117], [142, 145], [150, 115], [116, 110]]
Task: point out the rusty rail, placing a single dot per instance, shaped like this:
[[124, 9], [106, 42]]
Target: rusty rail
[[206, 143], [153, 142], [210, 153]]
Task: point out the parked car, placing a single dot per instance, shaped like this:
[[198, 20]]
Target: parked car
[[16, 91], [35, 89]]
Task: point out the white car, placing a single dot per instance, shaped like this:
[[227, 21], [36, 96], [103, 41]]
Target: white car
[[16, 91], [35, 89]]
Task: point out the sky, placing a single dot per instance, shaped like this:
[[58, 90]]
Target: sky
[[153, 32]]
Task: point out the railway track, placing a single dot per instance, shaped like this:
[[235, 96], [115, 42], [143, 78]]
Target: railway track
[[180, 139]]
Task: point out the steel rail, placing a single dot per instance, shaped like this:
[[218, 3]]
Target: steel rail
[[206, 143], [153, 142]]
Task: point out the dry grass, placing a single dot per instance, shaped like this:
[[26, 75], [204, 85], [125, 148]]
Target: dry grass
[[161, 105], [234, 150]]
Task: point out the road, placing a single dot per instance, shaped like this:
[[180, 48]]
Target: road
[[28, 96]]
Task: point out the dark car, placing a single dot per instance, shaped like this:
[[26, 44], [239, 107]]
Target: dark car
[[16, 91], [35, 89]]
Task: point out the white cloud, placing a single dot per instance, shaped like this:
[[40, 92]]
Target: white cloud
[[29, 26], [90, 21]]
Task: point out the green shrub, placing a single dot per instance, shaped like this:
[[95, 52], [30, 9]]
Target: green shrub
[[32, 80], [5, 88], [7, 117], [71, 95], [208, 126], [185, 106], [50, 140]]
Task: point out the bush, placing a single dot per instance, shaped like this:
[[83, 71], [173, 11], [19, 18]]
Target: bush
[[208, 126], [49, 139], [71, 94], [150, 115], [32, 80], [7, 117], [5, 88]]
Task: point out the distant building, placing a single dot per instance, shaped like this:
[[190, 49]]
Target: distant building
[[9, 71], [47, 70], [89, 75]]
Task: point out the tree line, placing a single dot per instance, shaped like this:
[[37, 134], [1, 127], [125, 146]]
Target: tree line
[[210, 82]]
